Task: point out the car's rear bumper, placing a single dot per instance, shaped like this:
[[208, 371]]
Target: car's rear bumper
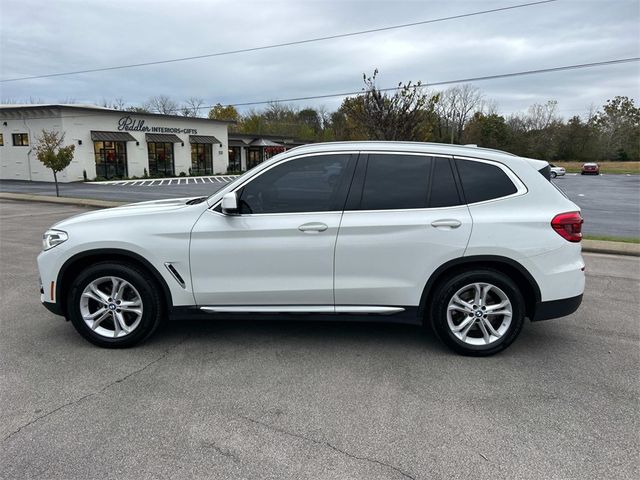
[[556, 308]]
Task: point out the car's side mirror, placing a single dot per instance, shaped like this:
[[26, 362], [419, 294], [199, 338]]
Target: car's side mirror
[[230, 203]]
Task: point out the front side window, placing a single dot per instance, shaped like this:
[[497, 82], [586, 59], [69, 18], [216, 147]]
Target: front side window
[[21, 139], [307, 184], [398, 182], [483, 181]]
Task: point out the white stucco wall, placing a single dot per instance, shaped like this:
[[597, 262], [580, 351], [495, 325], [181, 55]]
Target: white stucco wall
[[20, 163]]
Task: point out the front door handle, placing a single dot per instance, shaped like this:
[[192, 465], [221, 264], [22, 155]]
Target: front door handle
[[313, 227], [446, 223]]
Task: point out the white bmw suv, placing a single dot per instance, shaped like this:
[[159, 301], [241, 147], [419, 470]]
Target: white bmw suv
[[469, 241]]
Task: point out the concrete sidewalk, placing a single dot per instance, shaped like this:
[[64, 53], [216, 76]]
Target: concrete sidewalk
[[593, 246]]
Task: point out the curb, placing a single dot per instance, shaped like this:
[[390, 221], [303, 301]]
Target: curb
[[80, 202], [588, 246], [612, 248]]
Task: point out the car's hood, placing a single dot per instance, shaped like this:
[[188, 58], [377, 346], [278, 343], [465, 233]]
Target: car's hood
[[153, 207]]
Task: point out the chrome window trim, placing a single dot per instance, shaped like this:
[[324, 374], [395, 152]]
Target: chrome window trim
[[521, 188]]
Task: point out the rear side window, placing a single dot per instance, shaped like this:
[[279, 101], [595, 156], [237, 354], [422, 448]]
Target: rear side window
[[395, 182], [483, 181], [407, 181]]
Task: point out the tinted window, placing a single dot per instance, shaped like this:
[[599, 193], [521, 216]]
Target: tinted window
[[407, 181], [395, 181], [482, 181], [443, 191], [308, 184]]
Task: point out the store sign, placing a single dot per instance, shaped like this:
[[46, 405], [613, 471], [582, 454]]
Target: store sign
[[130, 124]]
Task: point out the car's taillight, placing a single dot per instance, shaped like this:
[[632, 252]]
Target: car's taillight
[[568, 226]]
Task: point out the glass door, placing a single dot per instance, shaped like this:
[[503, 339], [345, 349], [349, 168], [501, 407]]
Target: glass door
[[111, 159], [161, 160]]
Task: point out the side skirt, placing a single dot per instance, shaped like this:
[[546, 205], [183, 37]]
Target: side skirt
[[345, 313]]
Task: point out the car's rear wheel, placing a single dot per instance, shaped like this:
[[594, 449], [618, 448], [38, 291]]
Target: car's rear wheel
[[478, 313], [554, 174], [114, 305]]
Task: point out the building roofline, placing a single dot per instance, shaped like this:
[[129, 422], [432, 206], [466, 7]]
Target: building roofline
[[100, 110]]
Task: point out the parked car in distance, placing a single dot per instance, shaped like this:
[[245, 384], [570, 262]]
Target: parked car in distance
[[465, 240], [590, 169], [556, 171]]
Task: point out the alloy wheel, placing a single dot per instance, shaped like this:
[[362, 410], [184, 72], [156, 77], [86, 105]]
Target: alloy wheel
[[111, 307], [479, 314]]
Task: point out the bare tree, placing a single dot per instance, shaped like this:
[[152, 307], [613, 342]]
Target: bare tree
[[161, 104], [116, 104], [456, 106], [403, 115], [192, 106], [540, 116]]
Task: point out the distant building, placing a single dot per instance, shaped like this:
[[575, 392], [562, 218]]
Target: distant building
[[114, 143], [246, 150]]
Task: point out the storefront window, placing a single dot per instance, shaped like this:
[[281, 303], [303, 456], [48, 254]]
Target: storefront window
[[111, 159], [161, 161], [201, 159], [271, 151], [254, 157], [235, 155]]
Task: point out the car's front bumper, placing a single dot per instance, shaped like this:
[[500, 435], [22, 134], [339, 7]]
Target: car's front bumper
[[556, 308]]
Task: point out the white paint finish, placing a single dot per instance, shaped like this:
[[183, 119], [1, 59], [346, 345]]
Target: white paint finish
[[385, 257], [381, 257], [157, 230], [263, 259], [20, 163]]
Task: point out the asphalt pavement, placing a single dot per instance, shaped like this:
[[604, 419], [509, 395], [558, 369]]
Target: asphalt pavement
[[609, 203], [305, 400]]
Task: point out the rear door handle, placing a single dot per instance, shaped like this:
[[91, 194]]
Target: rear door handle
[[312, 227], [446, 223]]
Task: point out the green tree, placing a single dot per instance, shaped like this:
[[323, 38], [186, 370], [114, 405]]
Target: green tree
[[619, 127], [490, 131], [224, 112], [52, 154]]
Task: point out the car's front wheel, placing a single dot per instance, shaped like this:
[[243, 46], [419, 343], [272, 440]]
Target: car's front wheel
[[114, 305], [554, 174], [478, 313]]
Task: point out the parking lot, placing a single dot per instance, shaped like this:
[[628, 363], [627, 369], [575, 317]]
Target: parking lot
[[609, 202], [280, 400]]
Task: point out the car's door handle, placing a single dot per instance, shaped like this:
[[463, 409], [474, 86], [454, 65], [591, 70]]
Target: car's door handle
[[446, 223], [313, 227]]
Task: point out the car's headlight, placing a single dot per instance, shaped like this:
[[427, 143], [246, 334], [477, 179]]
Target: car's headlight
[[51, 238]]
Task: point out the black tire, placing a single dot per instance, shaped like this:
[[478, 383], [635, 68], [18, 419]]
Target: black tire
[[452, 284], [553, 174], [142, 281]]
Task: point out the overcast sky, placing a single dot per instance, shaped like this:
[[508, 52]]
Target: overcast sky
[[41, 37]]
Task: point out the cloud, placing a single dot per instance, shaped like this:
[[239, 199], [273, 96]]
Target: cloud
[[39, 37]]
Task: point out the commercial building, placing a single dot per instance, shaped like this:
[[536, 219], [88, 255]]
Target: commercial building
[[111, 143], [246, 150]]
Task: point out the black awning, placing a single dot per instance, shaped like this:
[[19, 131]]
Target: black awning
[[163, 138], [111, 136], [203, 139]]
